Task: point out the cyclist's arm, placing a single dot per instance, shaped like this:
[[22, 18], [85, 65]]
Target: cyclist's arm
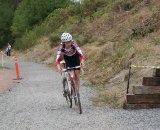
[[59, 57], [82, 58], [79, 52]]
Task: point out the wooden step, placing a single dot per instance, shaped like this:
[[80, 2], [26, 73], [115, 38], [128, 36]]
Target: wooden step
[[156, 73], [140, 106], [143, 98], [146, 89], [151, 81]]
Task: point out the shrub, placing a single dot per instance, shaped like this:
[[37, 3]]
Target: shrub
[[124, 5], [54, 39]]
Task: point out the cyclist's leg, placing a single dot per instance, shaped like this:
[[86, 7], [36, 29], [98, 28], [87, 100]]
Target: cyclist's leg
[[64, 83], [77, 78], [77, 101]]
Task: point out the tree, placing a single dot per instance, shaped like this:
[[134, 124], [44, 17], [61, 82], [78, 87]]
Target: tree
[[6, 15], [12, 3], [7, 8], [31, 12]]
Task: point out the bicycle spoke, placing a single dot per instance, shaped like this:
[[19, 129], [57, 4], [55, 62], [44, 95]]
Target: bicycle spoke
[[68, 97]]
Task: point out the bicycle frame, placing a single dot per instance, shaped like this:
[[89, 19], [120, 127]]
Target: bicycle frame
[[69, 75]]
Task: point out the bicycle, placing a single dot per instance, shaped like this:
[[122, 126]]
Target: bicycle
[[70, 88]]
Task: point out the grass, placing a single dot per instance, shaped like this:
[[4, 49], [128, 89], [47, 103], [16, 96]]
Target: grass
[[54, 39], [107, 62], [155, 41], [146, 53], [3, 67], [111, 99], [101, 40], [52, 64]]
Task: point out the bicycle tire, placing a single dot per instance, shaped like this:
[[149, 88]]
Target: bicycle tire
[[68, 96], [73, 92], [78, 101]]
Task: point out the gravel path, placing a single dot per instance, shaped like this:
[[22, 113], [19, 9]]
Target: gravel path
[[36, 103], [6, 77]]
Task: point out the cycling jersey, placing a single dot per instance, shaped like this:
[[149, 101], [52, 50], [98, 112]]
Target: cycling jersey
[[70, 52]]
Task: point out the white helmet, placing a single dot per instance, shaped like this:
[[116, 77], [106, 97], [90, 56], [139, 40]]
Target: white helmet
[[66, 37]]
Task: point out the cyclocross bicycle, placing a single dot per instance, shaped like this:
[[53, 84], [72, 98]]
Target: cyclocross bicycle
[[70, 88]]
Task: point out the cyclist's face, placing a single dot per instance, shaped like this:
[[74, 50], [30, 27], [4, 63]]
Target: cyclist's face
[[68, 44]]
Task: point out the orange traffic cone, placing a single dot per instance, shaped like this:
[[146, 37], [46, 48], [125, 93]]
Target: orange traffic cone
[[16, 67]]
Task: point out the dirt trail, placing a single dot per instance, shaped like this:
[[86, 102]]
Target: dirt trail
[[36, 103]]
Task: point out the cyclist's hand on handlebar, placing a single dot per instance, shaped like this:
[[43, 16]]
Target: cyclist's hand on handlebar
[[83, 65]]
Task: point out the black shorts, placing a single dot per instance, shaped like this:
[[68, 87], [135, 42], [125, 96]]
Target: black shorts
[[72, 61]]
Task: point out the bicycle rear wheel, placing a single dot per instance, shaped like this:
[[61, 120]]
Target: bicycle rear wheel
[[68, 96]]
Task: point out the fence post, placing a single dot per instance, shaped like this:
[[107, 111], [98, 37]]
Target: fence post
[[129, 74]]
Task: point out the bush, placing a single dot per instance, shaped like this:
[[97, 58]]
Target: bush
[[140, 30], [124, 5], [54, 39]]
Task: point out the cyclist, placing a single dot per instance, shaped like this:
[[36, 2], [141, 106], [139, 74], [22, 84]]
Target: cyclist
[[72, 54]]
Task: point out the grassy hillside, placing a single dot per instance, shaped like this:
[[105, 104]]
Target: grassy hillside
[[110, 32]]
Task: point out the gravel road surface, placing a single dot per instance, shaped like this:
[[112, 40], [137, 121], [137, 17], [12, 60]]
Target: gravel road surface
[[36, 103]]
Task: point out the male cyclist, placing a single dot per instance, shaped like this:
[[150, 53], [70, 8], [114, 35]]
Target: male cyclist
[[72, 55]]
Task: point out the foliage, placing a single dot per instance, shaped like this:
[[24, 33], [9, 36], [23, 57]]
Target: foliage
[[7, 9], [31, 12], [6, 14], [54, 39], [72, 15], [50, 25]]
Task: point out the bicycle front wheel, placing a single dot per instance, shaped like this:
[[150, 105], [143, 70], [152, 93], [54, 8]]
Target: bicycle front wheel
[[67, 93]]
